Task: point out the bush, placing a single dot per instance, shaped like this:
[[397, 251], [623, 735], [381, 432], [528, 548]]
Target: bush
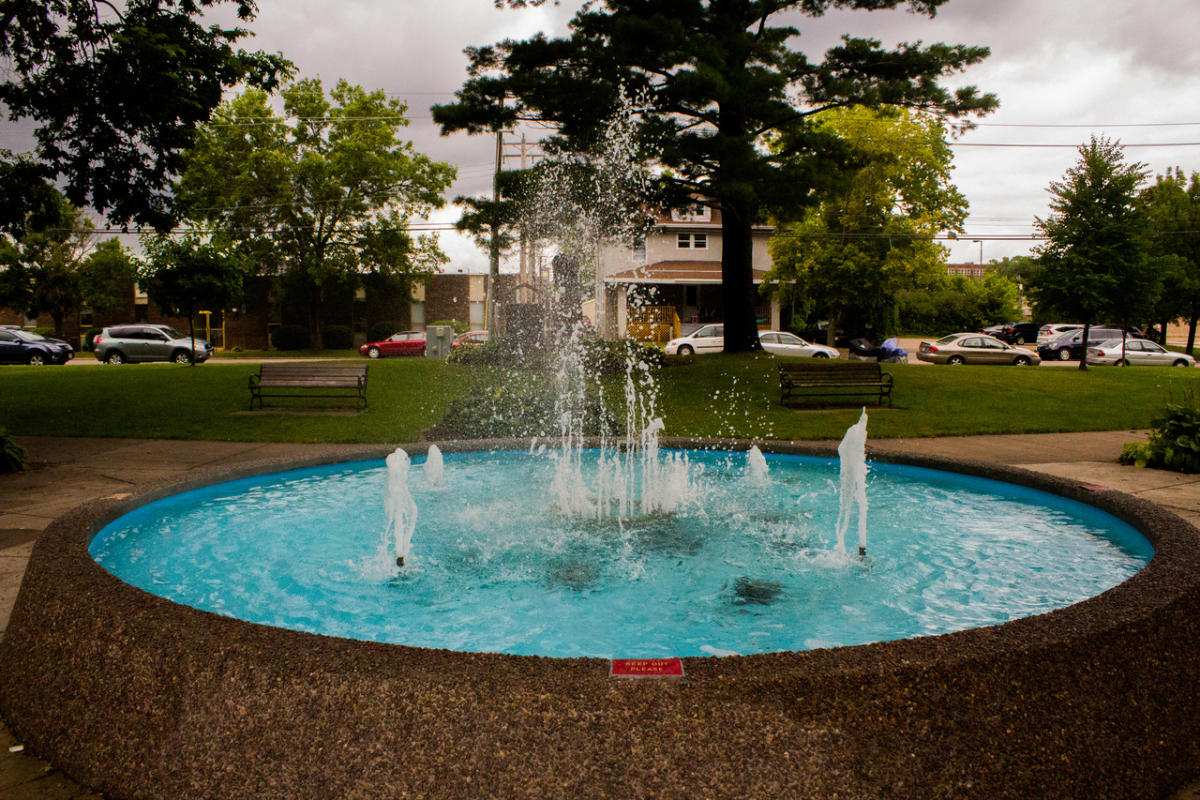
[[459, 327], [600, 357], [382, 330], [516, 408], [12, 457], [338, 337], [89, 339], [47, 332], [289, 337], [1174, 442]]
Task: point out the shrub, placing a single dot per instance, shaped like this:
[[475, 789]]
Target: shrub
[[338, 337], [12, 457], [47, 332], [459, 327], [289, 337], [516, 408], [1174, 441], [89, 339]]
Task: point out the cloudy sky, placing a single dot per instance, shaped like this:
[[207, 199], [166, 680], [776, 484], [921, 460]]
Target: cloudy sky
[[1063, 70]]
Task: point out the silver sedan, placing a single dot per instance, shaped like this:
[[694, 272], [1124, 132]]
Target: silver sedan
[[975, 348], [782, 343], [1138, 352]]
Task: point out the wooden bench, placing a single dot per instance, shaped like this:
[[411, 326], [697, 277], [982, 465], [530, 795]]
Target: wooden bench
[[300, 379], [852, 380]]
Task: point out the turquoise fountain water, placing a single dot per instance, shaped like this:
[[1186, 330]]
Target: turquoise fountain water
[[748, 562]]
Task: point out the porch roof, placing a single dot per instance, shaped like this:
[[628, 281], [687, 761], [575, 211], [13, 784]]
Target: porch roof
[[676, 272]]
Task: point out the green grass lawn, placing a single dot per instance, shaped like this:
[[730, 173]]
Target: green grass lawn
[[734, 396]]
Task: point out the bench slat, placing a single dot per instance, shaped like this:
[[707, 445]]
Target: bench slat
[[309, 380]]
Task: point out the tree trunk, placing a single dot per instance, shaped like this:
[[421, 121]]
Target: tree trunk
[[1087, 326], [1191, 334], [737, 280], [316, 298]]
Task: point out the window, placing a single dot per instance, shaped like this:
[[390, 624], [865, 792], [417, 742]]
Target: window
[[684, 241], [697, 241]]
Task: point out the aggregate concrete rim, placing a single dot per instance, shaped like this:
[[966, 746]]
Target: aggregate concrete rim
[[140, 697]]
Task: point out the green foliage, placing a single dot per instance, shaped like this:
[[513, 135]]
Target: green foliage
[[716, 78], [117, 90], [106, 277], [1095, 264], [1172, 209], [338, 337], [12, 456], [289, 337], [89, 338], [325, 194], [185, 275], [40, 271], [600, 357], [516, 405], [457, 325], [382, 330], [958, 304], [867, 247], [1174, 441]]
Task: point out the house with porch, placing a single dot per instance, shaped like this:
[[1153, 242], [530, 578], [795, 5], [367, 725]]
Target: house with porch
[[672, 278]]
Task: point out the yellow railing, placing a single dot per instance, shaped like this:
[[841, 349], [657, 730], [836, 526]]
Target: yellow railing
[[654, 324]]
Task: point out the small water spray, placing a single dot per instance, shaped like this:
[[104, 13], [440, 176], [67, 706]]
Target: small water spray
[[756, 466], [399, 504], [852, 496], [435, 469]]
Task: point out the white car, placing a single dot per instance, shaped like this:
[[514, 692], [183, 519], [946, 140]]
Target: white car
[[1048, 332], [706, 339], [782, 343], [1138, 352]]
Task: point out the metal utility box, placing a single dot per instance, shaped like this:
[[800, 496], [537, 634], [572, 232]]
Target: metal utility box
[[438, 339]]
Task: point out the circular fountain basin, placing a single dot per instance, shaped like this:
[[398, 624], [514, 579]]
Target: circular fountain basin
[[747, 562], [139, 696]]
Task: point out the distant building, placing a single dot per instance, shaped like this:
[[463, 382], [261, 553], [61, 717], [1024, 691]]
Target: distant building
[[677, 266], [973, 271]]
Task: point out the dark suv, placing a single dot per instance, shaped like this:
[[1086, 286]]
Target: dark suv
[[1015, 332], [1069, 346], [132, 343], [26, 347]]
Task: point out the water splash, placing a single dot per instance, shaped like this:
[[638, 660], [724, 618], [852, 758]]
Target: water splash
[[399, 504], [852, 496], [435, 469], [756, 466]]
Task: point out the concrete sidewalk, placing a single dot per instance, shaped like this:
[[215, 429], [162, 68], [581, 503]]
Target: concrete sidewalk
[[68, 472]]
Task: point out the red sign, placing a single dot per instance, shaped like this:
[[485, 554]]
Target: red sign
[[646, 668]]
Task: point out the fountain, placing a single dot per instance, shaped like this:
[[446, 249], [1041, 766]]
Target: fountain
[[139, 695], [852, 497]]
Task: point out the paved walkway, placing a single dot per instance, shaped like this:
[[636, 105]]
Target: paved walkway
[[68, 472]]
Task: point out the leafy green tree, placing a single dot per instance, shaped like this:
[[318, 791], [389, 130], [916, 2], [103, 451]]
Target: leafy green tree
[[1095, 261], [871, 236], [41, 273], [182, 276], [324, 194], [116, 90], [106, 277], [718, 79], [1172, 206]]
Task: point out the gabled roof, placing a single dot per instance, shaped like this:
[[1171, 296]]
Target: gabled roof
[[681, 272]]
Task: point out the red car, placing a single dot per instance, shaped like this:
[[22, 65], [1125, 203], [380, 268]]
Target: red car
[[470, 337], [405, 343]]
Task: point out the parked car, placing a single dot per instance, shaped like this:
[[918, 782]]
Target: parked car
[[818, 333], [25, 347], [119, 344], [1137, 352], [705, 339], [405, 343], [1070, 345], [1055, 330], [975, 348], [782, 343], [1015, 332], [469, 338]]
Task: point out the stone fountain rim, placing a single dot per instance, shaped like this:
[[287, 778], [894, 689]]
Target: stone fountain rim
[[1144, 590]]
